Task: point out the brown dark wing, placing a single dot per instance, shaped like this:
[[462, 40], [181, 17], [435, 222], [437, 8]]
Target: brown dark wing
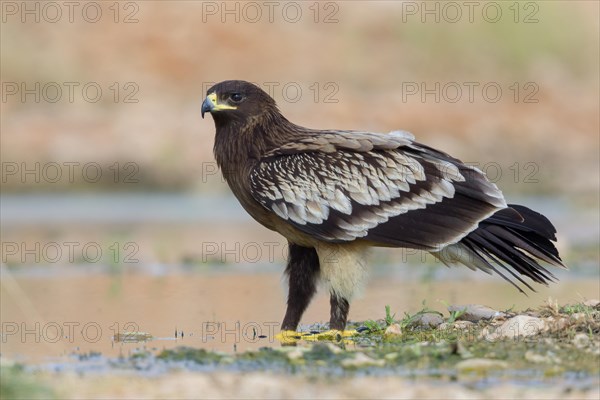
[[384, 189]]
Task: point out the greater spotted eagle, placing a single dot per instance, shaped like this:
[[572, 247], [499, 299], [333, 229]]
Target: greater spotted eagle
[[333, 194]]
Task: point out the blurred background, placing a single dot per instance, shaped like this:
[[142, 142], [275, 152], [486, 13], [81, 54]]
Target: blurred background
[[113, 209]]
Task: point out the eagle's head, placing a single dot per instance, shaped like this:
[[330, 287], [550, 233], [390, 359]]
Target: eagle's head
[[248, 123], [237, 102]]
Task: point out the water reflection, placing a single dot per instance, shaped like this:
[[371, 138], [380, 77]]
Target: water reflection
[[196, 270], [44, 318]]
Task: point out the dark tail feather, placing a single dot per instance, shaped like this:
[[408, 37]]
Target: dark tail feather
[[515, 240]]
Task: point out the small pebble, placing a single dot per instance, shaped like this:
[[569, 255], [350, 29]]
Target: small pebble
[[513, 328], [555, 325], [579, 317], [393, 330], [428, 320], [475, 312], [463, 324], [581, 340]]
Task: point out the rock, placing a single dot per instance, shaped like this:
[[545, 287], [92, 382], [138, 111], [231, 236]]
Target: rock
[[480, 365], [516, 327], [475, 312], [463, 324], [393, 330], [361, 360], [562, 323], [581, 340], [594, 303], [458, 325], [579, 317], [556, 325], [428, 320]]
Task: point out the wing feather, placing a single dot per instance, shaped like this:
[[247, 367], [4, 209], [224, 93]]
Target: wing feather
[[383, 188]]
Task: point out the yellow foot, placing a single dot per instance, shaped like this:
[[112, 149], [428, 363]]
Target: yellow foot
[[288, 337], [293, 337], [332, 334]]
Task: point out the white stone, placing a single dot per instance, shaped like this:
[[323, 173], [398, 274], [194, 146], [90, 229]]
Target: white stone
[[514, 328]]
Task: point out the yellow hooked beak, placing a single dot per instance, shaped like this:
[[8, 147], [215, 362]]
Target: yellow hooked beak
[[210, 105]]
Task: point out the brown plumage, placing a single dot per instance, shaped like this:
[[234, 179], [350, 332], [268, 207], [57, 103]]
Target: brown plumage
[[333, 194]]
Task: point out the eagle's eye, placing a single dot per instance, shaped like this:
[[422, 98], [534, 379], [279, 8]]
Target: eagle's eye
[[236, 97]]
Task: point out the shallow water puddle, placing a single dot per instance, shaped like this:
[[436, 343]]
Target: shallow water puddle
[[49, 318]]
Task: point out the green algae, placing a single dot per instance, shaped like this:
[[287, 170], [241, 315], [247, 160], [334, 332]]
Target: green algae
[[198, 356], [572, 350], [16, 383]]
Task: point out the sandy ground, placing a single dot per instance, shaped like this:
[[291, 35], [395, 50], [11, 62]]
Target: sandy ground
[[221, 385]]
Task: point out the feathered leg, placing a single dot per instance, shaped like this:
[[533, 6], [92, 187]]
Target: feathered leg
[[339, 312], [302, 270], [343, 268]]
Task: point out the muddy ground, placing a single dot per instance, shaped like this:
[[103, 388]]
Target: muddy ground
[[470, 351]]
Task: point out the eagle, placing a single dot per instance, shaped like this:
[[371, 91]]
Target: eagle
[[334, 194]]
